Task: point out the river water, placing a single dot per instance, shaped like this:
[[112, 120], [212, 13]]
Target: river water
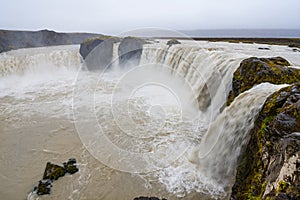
[[157, 129]]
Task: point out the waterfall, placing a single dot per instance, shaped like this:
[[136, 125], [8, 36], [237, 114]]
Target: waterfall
[[207, 72], [163, 121], [19, 61]]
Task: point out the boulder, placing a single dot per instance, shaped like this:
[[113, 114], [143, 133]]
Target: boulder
[[71, 166], [54, 172], [172, 42], [130, 51], [269, 165], [44, 187], [253, 71], [98, 52]]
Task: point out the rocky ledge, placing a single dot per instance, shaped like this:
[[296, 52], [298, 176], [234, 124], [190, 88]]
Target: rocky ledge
[[10, 40], [98, 52], [269, 165], [253, 71]]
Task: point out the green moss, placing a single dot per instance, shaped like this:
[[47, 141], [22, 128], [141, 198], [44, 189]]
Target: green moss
[[282, 186], [253, 71], [53, 172]]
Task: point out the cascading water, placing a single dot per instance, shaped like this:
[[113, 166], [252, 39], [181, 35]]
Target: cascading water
[[163, 119]]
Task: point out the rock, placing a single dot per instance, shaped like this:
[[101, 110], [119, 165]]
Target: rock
[[98, 52], [44, 187], [71, 166], [269, 166], [148, 198], [130, 51], [53, 172], [263, 48], [173, 41], [253, 71], [10, 40]]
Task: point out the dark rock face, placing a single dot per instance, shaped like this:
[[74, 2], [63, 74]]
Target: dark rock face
[[269, 167], [173, 41], [148, 198], [10, 40], [44, 187], [263, 48], [54, 172], [130, 51], [253, 71], [71, 166], [88, 45], [98, 52]]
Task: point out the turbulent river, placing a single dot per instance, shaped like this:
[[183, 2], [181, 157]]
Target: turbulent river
[[157, 129]]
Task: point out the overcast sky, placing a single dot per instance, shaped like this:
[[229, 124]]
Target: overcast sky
[[115, 16]]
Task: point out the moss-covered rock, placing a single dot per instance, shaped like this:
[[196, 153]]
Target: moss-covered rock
[[53, 172], [253, 71], [269, 166], [71, 166], [44, 187]]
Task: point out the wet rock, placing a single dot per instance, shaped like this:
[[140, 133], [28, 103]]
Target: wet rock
[[71, 166], [269, 166], [173, 41], [253, 71], [263, 48], [44, 187], [98, 52], [148, 198], [130, 51], [53, 172]]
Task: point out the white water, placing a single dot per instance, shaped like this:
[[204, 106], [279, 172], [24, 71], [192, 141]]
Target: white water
[[134, 120]]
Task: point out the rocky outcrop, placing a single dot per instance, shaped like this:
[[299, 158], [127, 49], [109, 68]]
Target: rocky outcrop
[[253, 71], [130, 51], [54, 172], [98, 52], [172, 42], [10, 40], [269, 166]]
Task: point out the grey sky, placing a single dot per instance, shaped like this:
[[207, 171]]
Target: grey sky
[[114, 16]]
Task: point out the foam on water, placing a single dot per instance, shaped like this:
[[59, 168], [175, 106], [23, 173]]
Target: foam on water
[[171, 103]]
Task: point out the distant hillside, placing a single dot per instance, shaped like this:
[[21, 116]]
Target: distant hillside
[[10, 40], [244, 33]]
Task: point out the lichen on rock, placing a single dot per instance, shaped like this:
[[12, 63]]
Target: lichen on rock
[[269, 166], [54, 172], [253, 71]]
